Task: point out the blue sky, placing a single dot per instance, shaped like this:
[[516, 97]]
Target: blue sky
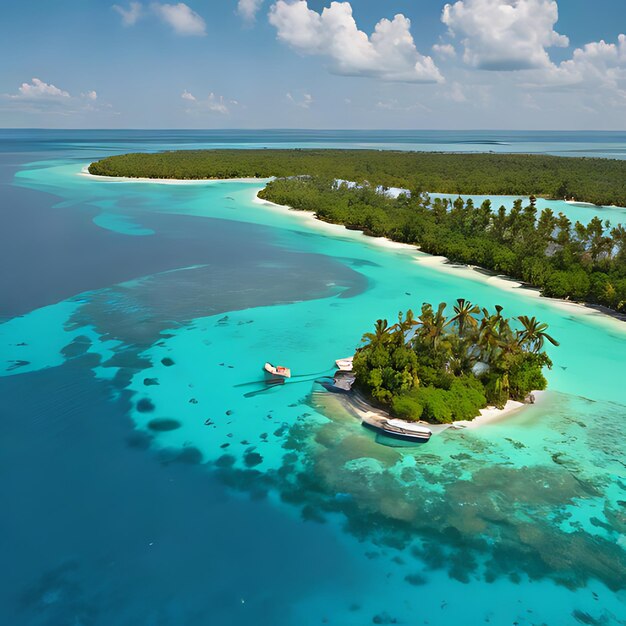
[[510, 64]]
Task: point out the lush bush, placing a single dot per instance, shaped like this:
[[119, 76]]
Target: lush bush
[[436, 404], [443, 370], [407, 406], [525, 375], [466, 397], [462, 401]]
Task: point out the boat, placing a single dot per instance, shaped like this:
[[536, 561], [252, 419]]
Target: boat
[[344, 365], [399, 429], [277, 371]]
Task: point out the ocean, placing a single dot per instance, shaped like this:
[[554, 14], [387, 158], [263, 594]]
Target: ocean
[[150, 477]]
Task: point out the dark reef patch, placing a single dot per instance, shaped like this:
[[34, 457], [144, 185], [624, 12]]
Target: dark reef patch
[[493, 521], [145, 405], [163, 424], [252, 459], [77, 347]]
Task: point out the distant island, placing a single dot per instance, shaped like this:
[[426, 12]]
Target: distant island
[[441, 369], [599, 181], [579, 262]]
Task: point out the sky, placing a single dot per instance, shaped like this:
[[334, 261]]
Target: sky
[[359, 64]]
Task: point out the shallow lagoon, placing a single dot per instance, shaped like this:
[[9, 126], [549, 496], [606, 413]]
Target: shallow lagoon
[[151, 378]]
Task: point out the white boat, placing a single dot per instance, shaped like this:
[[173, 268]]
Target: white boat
[[399, 429], [277, 371], [414, 429], [345, 365]]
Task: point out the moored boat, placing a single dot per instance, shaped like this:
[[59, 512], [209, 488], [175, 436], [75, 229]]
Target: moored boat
[[399, 429], [344, 365], [277, 371]]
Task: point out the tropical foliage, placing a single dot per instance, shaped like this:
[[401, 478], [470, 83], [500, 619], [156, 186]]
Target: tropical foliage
[[574, 261], [602, 181], [564, 260], [442, 369]]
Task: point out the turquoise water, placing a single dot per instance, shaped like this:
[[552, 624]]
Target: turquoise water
[[516, 522]]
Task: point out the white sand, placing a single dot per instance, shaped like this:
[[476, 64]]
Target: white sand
[[169, 181], [489, 415], [442, 264], [492, 415], [575, 202], [438, 263]]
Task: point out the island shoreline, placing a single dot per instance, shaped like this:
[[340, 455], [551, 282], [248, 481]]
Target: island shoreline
[[437, 262], [358, 406]]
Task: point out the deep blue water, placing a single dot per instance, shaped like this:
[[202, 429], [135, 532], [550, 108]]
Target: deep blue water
[[108, 522]]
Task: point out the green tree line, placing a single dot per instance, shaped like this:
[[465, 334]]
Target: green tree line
[[581, 262], [601, 181]]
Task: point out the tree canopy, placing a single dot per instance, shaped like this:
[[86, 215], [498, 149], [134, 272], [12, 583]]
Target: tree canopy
[[601, 181], [581, 262], [442, 369]]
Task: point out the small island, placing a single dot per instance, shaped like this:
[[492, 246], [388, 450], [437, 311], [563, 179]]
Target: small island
[[441, 369]]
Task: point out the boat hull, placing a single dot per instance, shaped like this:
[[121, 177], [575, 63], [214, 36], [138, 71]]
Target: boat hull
[[402, 436], [276, 373]]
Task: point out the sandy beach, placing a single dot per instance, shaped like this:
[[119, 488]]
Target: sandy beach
[[359, 408], [443, 264], [168, 181], [438, 263]]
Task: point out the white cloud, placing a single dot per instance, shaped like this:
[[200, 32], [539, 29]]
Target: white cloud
[[248, 9], [444, 50], [304, 103], [38, 97], [38, 90], [181, 18], [395, 105], [216, 104], [130, 15], [505, 35], [596, 63], [213, 103], [388, 54]]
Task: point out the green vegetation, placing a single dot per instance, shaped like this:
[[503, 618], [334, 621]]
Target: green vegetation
[[443, 370], [573, 261], [601, 181]]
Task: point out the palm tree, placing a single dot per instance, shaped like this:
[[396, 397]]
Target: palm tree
[[487, 337], [439, 325], [381, 335], [405, 325], [494, 333], [534, 334], [464, 315], [432, 325]]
